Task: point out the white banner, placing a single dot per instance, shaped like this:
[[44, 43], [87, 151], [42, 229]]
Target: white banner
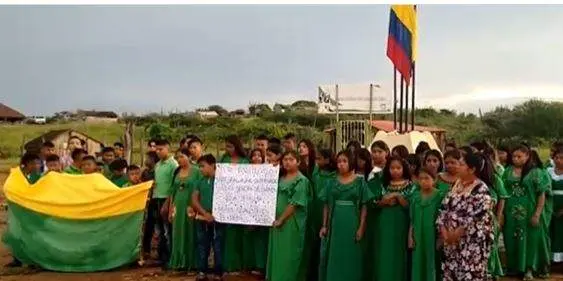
[[245, 194], [355, 99]]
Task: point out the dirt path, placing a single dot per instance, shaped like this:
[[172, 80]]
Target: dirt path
[[134, 274]]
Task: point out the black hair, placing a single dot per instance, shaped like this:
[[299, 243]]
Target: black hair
[[465, 149], [28, 158], [328, 154], [421, 148], [483, 167], [52, 158], [354, 146], [153, 156], [305, 169], [184, 151], [275, 148], [162, 142], [151, 141], [451, 144], [456, 154], [48, 144], [413, 160], [535, 157], [183, 141], [387, 170], [194, 140], [426, 171], [559, 150], [490, 152], [100, 164], [190, 136], [528, 166], [262, 137], [381, 145], [259, 151], [437, 154], [133, 168], [108, 149], [401, 150], [293, 153], [365, 155], [289, 136], [207, 158], [352, 161], [89, 158], [118, 165], [478, 145], [118, 144], [236, 142], [504, 148], [274, 140], [77, 152]]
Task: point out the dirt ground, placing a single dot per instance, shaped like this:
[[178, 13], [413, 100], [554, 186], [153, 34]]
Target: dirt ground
[[128, 274]]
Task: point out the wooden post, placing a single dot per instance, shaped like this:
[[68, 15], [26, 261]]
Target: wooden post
[[129, 137]]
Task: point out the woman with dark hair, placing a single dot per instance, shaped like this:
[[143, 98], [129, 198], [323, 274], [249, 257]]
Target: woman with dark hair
[[389, 260], [503, 153], [379, 154], [234, 245], [421, 149], [556, 174], [523, 234], [344, 221], [414, 165], [354, 146], [451, 163], [308, 155], [465, 223], [364, 165], [434, 163], [286, 261], [450, 146], [400, 151]]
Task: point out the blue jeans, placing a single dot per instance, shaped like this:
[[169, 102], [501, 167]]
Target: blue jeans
[[210, 235]]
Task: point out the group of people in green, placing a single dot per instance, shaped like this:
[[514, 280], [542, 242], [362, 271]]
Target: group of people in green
[[362, 214]]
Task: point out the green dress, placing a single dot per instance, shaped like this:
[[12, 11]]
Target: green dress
[[286, 246], [556, 222], [544, 263], [344, 255], [390, 248], [522, 241], [183, 252], [423, 214], [236, 247], [498, 192], [374, 185], [322, 179]]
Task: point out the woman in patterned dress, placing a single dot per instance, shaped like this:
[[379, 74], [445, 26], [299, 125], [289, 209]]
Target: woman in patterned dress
[[465, 222]]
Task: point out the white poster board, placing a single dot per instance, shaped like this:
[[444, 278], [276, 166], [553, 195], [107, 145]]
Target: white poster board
[[245, 194], [355, 99]]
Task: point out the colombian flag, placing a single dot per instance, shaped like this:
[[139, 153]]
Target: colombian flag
[[73, 223], [401, 42]]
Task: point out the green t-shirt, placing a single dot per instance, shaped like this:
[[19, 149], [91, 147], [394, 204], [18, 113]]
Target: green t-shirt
[[164, 177], [72, 170], [205, 189], [33, 177], [120, 181]]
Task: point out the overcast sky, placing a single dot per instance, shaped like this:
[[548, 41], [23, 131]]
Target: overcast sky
[[144, 59]]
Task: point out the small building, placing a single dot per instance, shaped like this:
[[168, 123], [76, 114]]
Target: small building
[[207, 114], [91, 116], [60, 139], [8, 114]]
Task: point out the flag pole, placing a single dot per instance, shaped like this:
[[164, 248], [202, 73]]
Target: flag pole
[[413, 94], [407, 93], [395, 98], [401, 105]]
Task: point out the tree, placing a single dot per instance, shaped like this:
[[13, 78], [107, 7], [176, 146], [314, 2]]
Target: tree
[[259, 109], [304, 104], [219, 109]]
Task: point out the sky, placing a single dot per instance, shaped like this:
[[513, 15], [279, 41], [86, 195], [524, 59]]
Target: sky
[[178, 58]]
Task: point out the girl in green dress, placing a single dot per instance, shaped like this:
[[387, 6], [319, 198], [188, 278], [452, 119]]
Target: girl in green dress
[[364, 167], [287, 237], [344, 221], [392, 223], [233, 256], [527, 187], [181, 216], [434, 163], [255, 250], [308, 167], [424, 207], [326, 174], [556, 174]]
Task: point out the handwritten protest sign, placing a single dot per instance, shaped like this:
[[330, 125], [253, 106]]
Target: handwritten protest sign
[[245, 194]]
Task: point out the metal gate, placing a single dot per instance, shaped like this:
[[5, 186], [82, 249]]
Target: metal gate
[[350, 130]]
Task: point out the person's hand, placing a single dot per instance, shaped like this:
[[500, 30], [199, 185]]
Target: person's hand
[[323, 232], [500, 218], [277, 223], [456, 235], [359, 234], [411, 243], [172, 214], [190, 212], [208, 218], [535, 220]]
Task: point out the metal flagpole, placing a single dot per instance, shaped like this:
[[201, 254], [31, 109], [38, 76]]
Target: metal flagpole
[[413, 94], [407, 92], [395, 98], [401, 105]]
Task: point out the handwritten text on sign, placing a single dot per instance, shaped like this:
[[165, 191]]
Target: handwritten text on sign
[[245, 194]]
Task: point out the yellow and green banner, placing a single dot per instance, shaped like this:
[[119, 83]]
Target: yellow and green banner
[[73, 223]]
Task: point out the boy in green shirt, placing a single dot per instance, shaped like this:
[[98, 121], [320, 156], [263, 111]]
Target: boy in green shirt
[[118, 176], [108, 156], [209, 232], [133, 175], [89, 165], [53, 163], [75, 167], [31, 167]]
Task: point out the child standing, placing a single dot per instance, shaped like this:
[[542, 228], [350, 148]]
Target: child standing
[[74, 168], [434, 163], [392, 224], [31, 167], [133, 175], [88, 165], [209, 232], [424, 207], [287, 237], [108, 156], [118, 172], [53, 163], [152, 214], [344, 221], [556, 173]]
